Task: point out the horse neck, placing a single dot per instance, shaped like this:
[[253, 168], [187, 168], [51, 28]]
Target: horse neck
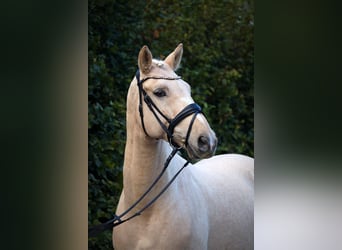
[[144, 160]]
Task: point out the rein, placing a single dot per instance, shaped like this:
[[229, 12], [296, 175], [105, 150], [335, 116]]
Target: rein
[[192, 109]]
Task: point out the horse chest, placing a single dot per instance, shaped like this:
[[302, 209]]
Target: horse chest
[[172, 227]]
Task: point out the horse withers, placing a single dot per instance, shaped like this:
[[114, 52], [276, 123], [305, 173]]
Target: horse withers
[[210, 205]]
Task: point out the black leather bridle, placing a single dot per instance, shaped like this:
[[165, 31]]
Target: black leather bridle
[[191, 109]]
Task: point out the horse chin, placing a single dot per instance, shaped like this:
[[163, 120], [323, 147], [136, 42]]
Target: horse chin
[[196, 155], [192, 151]]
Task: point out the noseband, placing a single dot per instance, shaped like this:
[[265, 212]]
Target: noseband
[[192, 108]]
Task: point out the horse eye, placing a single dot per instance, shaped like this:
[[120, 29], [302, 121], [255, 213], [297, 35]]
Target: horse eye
[[159, 92]]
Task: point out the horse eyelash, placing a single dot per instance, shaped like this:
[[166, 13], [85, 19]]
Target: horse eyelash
[[159, 92]]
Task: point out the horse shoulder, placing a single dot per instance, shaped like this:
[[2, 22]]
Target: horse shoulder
[[175, 221]]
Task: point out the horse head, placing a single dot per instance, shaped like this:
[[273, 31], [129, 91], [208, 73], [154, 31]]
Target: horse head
[[166, 108]]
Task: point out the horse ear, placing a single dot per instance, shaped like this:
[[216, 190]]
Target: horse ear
[[145, 60], [174, 59]]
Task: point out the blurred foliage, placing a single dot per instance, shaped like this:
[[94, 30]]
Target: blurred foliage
[[217, 62]]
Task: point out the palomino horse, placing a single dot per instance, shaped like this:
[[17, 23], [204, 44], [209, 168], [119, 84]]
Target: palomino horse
[[210, 204]]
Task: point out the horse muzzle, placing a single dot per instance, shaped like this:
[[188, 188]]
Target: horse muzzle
[[205, 148]]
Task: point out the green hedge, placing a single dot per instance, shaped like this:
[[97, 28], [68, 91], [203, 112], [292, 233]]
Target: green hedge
[[217, 62]]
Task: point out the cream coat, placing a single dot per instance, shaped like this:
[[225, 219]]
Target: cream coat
[[210, 204]]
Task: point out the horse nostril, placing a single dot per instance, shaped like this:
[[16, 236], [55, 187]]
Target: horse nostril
[[203, 144]]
